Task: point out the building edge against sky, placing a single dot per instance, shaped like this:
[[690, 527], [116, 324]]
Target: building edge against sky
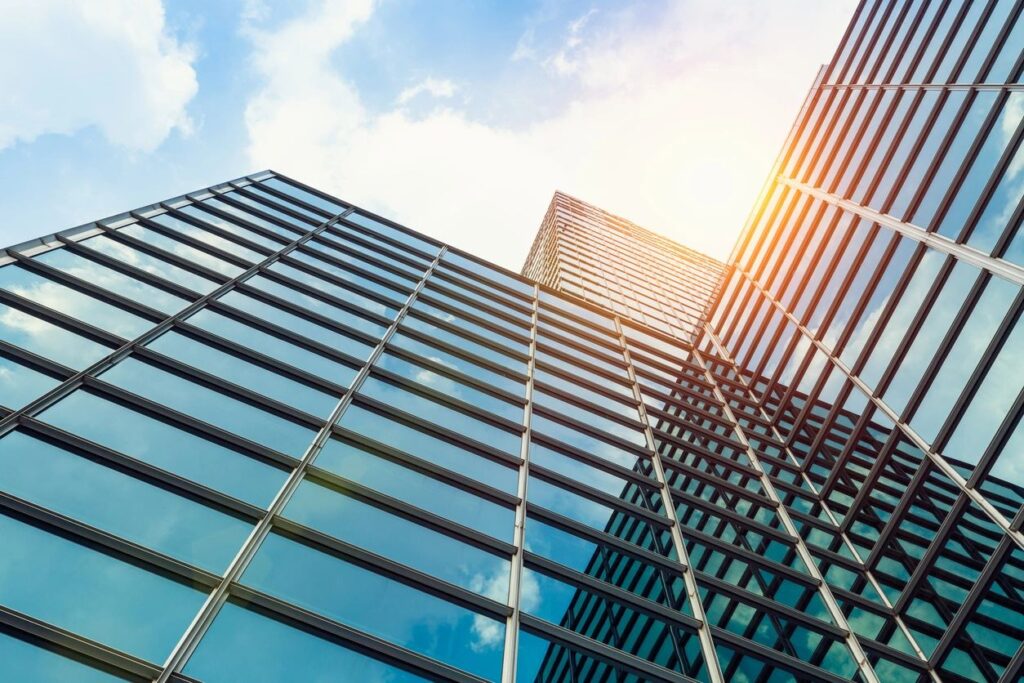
[[258, 433]]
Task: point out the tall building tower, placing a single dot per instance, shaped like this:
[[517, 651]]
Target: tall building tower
[[257, 433], [613, 263]]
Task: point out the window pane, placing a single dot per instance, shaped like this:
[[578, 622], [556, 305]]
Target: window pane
[[243, 645], [227, 366], [393, 233], [93, 594], [585, 442], [173, 246], [112, 280], [441, 415], [378, 605], [193, 211], [207, 237], [286, 234], [27, 662], [150, 264], [490, 273], [391, 478], [590, 418], [308, 197], [463, 365], [77, 487], [258, 190], [338, 315], [210, 406], [159, 443], [399, 539], [21, 384], [345, 294], [72, 302], [433, 449], [442, 334]]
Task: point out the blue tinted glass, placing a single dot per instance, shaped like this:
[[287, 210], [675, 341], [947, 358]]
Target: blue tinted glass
[[233, 228], [927, 339], [150, 264], [1002, 203], [590, 418], [275, 347], [441, 415], [359, 239], [338, 315], [981, 169], [227, 366], [92, 594], [578, 470], [489, 273], [314, 199], [903, 148], [257, 189], [452, 388], [971, 342], [991, 402], [450, 360], [159, 443], [391, 478], [443, 334], [575, 389], [464, 288], [173, 246], [21, 384], [393, 233], [430, 448], [590, 444], [573, 308], [71, 302], [287, 234], [77, 487], [112, 280], [210, 406], [207, 237], [433, 293], [24, 662], [343, 293], [907, 307], [358, 279], [325, 243], [298, 324], [297, 223], [580, 371], [245, 646], [372, 603], [399, 539]]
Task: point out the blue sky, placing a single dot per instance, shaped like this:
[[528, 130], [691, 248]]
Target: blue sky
[[457, 118]]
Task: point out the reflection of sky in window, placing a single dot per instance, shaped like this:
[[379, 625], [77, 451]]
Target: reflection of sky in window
[[370, 602], [71, 302], [48, 340], [185, 251], [242, 645], [20, 384], [339, 315], [150, 264], [207, 237], [24, 661]]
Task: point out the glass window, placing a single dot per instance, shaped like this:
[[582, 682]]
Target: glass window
[[143, 261], [464, 289], [579, 371], [590, 418], [416, 442], [981, 168], [449, 360], [234, 369], [205, 236], [1002, 203], [398, 279], [91, 593], [394, 233], [243, 645], [185, 251], [488, 272], [375, 604], [399, 539], [259, 191], [577, 310], [583, 472], [434, 294], [392, 478], [330, 311], [113, 281], [27, 662], [361, 241], [297, 223], [349, 296], [273, 346], [422, 323], [460, 391], [316, 200], [72, 302], [20, 383], [441, 415], [193, 211], [210, 406], [904, 145], [287, 234], [326, 243], [358, 279], [627, 411], [585, 442], [907, 307], [926, 341], [332, 338], [991, 402], [185, 453], [971, 342], [49, 476], [48, 340]]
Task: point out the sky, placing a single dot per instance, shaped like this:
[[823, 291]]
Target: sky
[[457, 118]]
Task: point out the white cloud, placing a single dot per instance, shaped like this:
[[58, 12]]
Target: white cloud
[[67, 65], [674, 124], [435, 87]]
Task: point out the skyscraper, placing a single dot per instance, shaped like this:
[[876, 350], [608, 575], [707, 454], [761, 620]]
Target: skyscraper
[[256, 433]]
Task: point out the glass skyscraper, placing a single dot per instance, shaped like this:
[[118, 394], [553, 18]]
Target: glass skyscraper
[[256, 433]]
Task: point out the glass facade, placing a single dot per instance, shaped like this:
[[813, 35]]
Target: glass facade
[[256, 433]]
